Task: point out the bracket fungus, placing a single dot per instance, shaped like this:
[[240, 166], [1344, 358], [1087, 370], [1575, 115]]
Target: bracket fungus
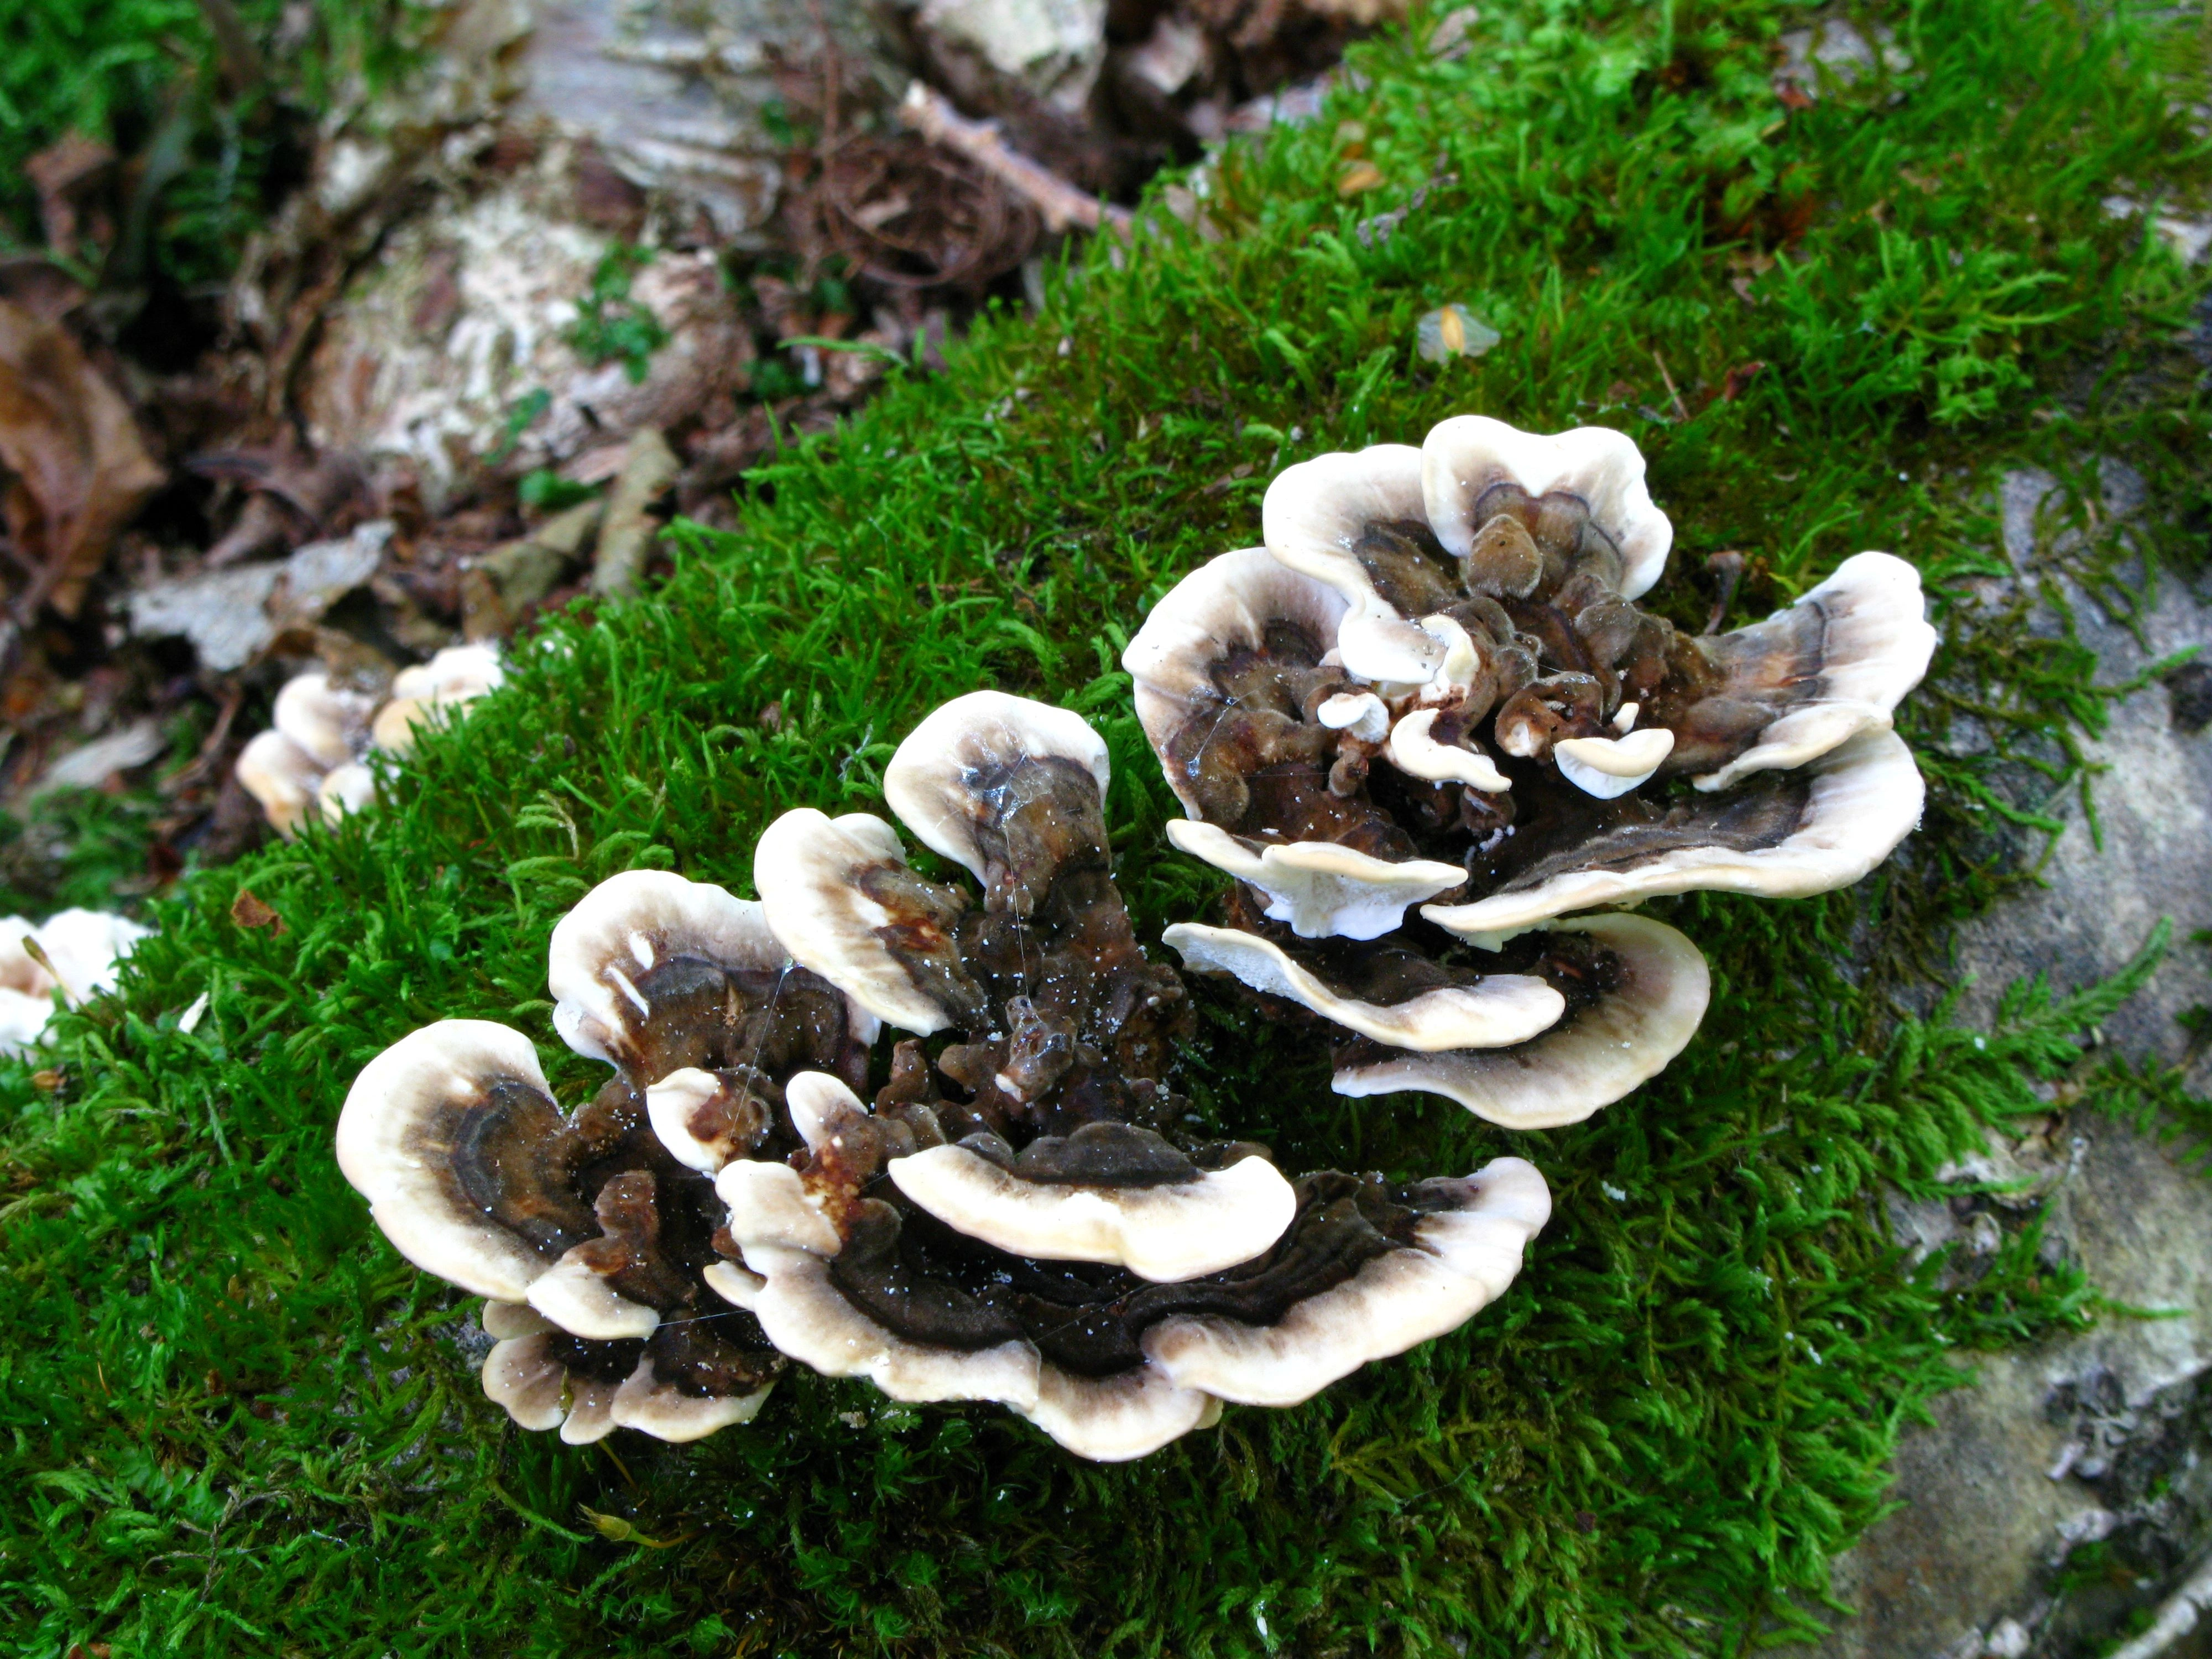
[[1016, 1212], [313, 758], [73, 952], [1433, 686], [595, 1232]]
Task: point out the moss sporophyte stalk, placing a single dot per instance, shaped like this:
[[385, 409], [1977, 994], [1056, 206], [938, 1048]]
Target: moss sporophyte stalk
[[224, 1396]]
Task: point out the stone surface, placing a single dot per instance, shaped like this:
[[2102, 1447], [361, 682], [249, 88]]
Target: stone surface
[[2153, 804], [1833, 46], [584, 125], [2070, 1487], [994, 52]]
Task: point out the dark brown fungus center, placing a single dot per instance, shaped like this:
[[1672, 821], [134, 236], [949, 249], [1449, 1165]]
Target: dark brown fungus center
[[604, 1185], [1260, 761], [515, 1159], [924, 1281], [1561, 654], [1557, 827]]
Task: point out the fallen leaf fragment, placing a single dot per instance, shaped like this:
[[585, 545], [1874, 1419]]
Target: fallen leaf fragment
[[1732, 385], [73, 470], [626, 533], [249, 911]]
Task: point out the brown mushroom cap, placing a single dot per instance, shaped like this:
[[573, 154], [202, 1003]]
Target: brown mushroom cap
[[1464, 457], [1090, 1352], [947, 779], [839, 896], [1210, 1220], [1226, 608], [646, 924], [1345, 519], [475, 1173], [1864, 628], [682, 1384], [1235, 694], [1113, 1420], [453, 1136], [1515, 558], [1320, 888], [806, 1317]]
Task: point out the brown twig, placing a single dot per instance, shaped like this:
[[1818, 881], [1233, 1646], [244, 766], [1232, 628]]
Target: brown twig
[[1061, 205], [1681, 411], [1727, 570], [242, 59]]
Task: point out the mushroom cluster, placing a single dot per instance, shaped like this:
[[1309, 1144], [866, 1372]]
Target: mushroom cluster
[[313, 757], [73, 952], [1011, 1208], [1433, 683]]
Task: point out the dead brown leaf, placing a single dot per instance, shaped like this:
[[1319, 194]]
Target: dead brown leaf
[[249, 911], [1360, 178], [68, 176], [73, 468], [1732, 385], [315, 488]]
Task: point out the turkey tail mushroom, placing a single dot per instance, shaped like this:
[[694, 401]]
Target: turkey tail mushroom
[[1357, 522], [649, 966], [1473, 468], [1642, 994], [1811, 831], [1389, 994], [680, 1385], [994, 783], [1109, 1193], [470, 1169], [840, 896], [1465, 1248], [1832, 665], [1253, 725], [1321, 889]]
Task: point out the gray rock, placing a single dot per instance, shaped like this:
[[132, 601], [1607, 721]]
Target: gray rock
[[999, 54], [547, 135], [1834, 45], [2154, 801], [2071, 1487]]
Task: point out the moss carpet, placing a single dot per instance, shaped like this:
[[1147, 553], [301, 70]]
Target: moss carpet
[[232, 1420]]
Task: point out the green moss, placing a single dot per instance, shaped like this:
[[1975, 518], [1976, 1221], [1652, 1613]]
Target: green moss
[[209, 154], [613, 327], [236, 1420]]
